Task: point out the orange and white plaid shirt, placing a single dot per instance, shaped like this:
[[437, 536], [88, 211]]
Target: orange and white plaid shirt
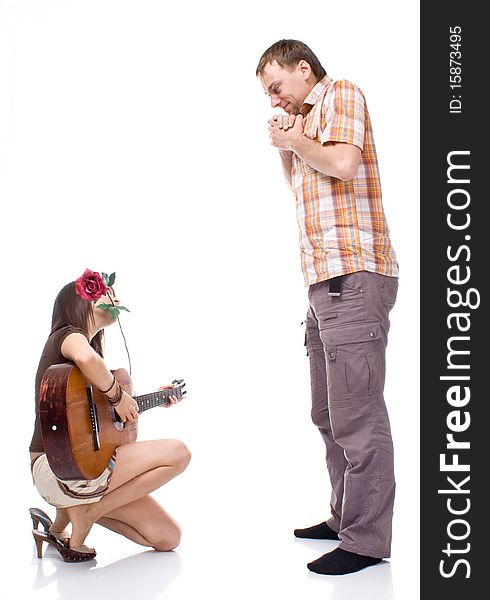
[[342, 223]]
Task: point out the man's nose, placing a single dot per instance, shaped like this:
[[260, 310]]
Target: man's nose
[[275, 101]]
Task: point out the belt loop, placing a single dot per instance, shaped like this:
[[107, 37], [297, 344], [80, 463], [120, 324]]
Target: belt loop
[[334, 286]]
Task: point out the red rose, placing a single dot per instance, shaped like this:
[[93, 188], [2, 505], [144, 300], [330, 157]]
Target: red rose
[[90, 286]]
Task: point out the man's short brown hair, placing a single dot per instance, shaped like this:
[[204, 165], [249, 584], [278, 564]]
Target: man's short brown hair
[[288, 53]]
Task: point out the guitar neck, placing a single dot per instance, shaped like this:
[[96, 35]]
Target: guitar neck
[[159, 398]]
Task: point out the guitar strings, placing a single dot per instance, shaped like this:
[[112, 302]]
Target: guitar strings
[[153, 399]]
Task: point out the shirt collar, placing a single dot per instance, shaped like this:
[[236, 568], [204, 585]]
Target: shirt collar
[[315, 93]]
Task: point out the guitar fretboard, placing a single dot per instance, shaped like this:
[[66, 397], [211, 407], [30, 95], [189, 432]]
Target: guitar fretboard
[[158, 398]]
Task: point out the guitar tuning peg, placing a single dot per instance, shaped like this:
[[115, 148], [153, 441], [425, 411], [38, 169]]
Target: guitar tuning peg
[[183, 386], [174, 381], [184, 393], [178, 381]]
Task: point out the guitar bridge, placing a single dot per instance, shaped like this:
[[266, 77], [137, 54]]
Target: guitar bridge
[[94, 421]]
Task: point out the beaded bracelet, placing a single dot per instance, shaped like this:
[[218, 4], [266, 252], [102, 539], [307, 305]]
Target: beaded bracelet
[[118, 397], [109, 388]]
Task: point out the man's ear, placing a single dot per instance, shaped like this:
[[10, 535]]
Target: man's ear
[[304, 68]]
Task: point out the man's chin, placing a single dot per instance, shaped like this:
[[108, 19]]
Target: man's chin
[[291, 110]]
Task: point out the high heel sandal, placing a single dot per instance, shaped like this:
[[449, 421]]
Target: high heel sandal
[[39, 516], [66, 553]]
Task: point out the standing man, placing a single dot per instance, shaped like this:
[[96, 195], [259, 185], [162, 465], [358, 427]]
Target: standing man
[[326, 146]]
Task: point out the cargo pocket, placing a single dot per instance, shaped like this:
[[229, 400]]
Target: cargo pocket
[[354, 355], [389, 292]]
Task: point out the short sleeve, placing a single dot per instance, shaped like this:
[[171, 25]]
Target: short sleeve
[[345, 115], [59, 336]]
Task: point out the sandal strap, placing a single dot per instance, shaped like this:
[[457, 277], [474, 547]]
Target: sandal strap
[[60, 535], [84, 549]]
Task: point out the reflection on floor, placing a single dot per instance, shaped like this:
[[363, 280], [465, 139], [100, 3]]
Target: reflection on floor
[[234, 565]]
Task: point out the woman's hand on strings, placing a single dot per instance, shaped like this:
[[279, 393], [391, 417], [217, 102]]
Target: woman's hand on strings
[[127, 409], [172, 399]]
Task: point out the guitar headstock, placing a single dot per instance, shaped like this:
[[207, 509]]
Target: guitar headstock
[[178, 388]]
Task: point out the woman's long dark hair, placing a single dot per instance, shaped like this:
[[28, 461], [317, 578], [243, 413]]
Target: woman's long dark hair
[[70, 309]]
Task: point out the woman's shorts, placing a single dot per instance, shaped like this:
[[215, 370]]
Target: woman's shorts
[[71, 492]]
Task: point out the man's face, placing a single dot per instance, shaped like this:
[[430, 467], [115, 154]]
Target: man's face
[[287, 87]]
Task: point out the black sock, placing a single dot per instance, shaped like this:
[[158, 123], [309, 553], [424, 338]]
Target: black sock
[[317, 532], [341, 562]]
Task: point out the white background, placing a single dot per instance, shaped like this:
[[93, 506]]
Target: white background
[[133, 139]]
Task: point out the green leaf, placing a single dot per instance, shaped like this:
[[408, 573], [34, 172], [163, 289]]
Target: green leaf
[[112, 279], [114, 312], [105, 278]]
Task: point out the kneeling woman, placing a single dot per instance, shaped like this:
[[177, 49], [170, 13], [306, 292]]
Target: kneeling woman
[[119, 499]]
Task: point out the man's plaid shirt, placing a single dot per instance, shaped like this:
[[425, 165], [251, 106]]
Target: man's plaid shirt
[[342, 223]]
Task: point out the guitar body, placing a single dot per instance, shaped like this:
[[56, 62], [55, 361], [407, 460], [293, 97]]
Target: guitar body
[[76, 446]]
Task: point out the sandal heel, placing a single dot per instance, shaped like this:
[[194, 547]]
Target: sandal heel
[[39, 516], [39, 543], [63, 548]]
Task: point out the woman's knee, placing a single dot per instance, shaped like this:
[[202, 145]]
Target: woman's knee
[[170, 540], [181, 455]]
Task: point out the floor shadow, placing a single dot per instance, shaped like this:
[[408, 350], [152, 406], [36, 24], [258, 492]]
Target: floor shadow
[[372, 583], [144, 576]]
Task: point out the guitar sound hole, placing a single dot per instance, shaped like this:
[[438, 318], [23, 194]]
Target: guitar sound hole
[[118, 424]]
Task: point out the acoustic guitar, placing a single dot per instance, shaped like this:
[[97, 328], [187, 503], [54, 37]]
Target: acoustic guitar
[[80, 428]]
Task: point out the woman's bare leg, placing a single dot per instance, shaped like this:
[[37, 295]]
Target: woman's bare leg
[[141, 468], [61, 521], [145, 522], [128, 531]]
